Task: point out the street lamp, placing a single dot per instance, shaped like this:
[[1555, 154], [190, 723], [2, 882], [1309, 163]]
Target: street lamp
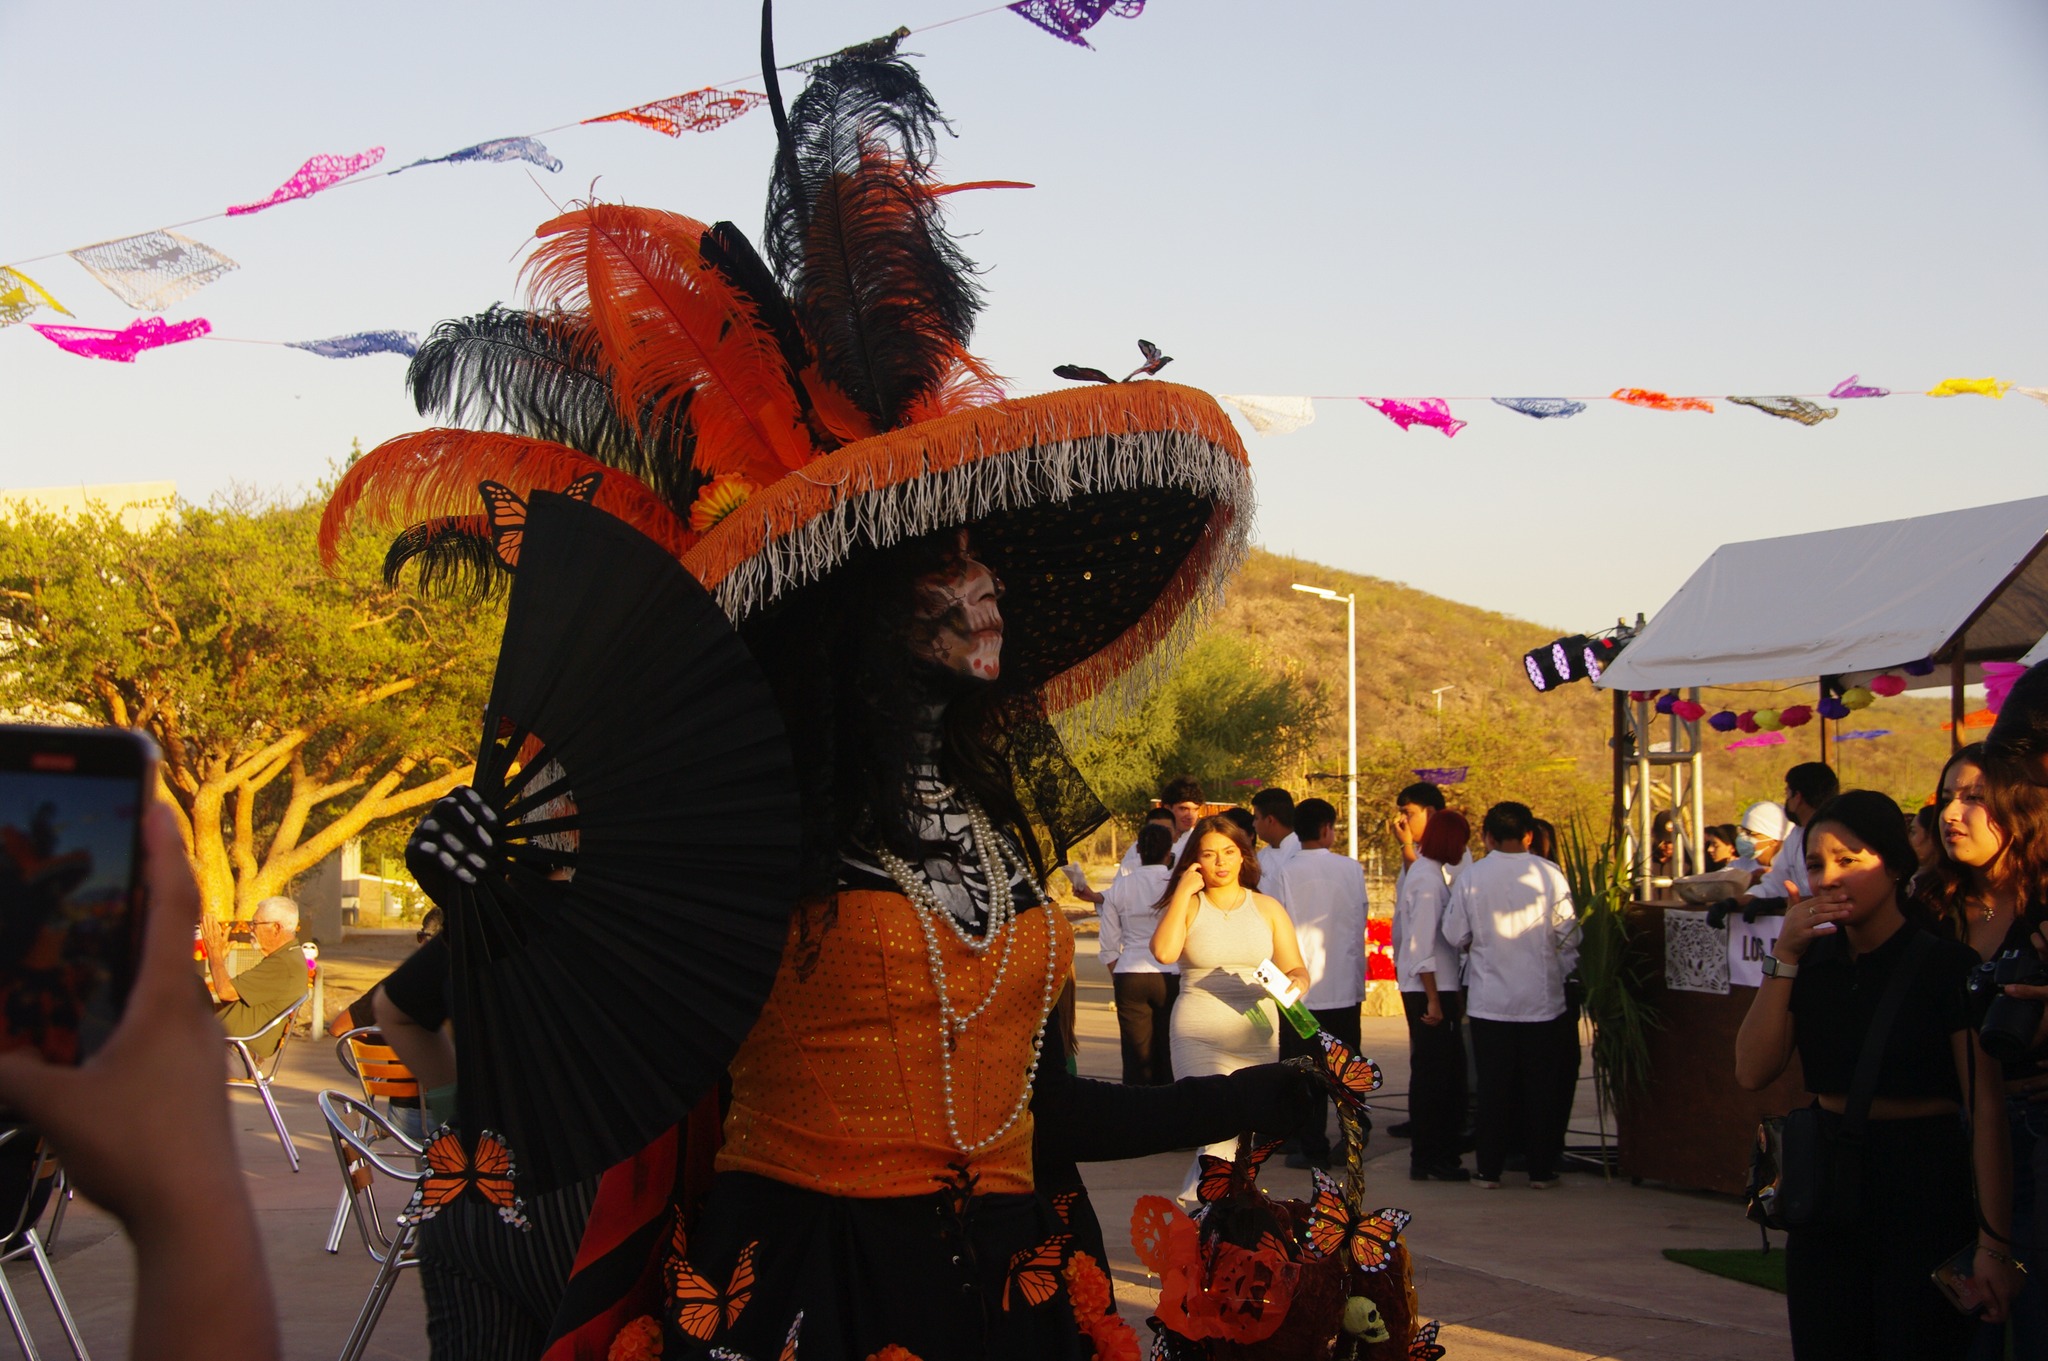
[[1351, 676], [1439, 693]]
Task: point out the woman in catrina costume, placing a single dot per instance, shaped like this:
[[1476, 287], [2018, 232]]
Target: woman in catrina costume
[[926, 573]]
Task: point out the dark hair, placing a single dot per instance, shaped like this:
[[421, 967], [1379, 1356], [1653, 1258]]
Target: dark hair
[[1508, 821], [1313, 817], [2017, 807], [1223, 825], [1278, 804], [1727, 831], [2021, 732], [1928, 816], [1155, 843], [1422, 794], [1542, 839], [1243, 818], [1182, 789], [1446, 839], [1815, 782], [1664, 824], [1878, 823], [1159, 812]]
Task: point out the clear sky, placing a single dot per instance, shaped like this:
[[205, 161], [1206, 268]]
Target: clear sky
[[1303, 196]]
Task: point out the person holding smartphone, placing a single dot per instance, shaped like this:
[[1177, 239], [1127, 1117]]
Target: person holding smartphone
[[171, 1179], [1860, 1284]]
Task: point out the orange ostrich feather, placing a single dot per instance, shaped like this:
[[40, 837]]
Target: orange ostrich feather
[[676, 332], [966, 382], [435, 472]]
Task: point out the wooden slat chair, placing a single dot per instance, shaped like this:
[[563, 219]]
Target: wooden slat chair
[[375, 1065]]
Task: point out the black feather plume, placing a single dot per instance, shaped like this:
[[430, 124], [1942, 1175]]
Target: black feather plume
[[1078, 373], [455, 557], [855, 236], [543, 374]]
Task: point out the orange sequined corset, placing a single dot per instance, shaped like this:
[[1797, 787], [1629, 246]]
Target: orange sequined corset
[[839, 1086]]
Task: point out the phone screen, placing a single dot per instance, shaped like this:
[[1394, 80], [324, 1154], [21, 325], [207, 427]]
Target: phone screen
[[68, 895]]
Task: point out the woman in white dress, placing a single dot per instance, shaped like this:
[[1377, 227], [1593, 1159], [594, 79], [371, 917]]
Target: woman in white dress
[[1219, 930]]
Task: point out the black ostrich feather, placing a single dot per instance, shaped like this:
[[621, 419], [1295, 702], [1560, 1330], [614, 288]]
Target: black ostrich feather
[[855, 235], [455, 556], [542, 374]]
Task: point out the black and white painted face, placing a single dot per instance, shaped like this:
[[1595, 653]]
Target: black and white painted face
[[960, 604]]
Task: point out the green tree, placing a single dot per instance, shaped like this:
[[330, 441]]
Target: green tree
[[294, 709], [1222, 715]]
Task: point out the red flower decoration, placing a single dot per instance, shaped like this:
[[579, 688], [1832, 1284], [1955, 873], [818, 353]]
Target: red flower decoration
[[1379, 965], [639, 1340], [1087, 1287], [1380, 930]]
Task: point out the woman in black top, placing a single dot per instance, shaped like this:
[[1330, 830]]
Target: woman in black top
[[1859, 1287]]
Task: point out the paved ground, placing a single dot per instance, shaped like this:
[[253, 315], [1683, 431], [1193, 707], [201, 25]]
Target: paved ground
[[1576, 1273]]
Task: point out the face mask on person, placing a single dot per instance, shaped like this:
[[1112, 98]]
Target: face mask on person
[[1745, 845]]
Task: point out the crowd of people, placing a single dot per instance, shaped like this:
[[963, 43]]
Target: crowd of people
[[1483, 952]]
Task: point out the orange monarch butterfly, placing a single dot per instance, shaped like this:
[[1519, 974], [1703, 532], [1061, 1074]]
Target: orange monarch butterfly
[[1425, 1347], [1355, 1077], [1219, 1175], [702, 1309], [1334, 1226], [1035, 1272], [505, 509], [1063, 1206], [451, 1170]]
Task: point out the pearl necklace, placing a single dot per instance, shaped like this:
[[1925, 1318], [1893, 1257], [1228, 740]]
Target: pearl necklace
[[998, 864]]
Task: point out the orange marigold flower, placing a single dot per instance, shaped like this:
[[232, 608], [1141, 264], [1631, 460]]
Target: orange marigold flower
[[1114, 1339], [1087, 1287], [720, 497], [892, 1352], [639, 1340]]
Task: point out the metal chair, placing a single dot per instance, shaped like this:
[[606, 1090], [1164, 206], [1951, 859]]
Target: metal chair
[[259, 1079], [38, 1186], [390, 1247], [376, 1066]]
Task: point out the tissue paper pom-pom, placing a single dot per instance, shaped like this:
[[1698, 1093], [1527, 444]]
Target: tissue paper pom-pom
[[1667, 701], [1768, 720], [1116, 1344], [1087, 1287], [1797, 716], [1746, 720], [1887, 685], [1642, 696], [1857, 697], [1923, 667], [892, 1352], [639, 1340], [1689, 710], [1725, 721], [1830, 707]]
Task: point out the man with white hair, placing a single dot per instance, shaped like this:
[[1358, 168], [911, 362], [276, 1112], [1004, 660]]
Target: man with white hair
[[252, 998]]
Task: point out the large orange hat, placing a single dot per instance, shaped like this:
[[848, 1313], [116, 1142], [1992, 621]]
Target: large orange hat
[[767, 420]]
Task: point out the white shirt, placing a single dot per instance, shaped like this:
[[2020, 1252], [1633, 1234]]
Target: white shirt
[[1129, 919], [1419, 944], [1512, 913], [1324, 893], [1273, 859], [1788, 868]]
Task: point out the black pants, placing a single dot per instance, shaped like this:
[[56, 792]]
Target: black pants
[[1518, 1095], [1343, 1022], [491, 1289], [1436, 1080], [1144, 1005], [1861, 1289]]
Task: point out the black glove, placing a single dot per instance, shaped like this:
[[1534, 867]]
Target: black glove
[[1278, 1098], [455, 841]]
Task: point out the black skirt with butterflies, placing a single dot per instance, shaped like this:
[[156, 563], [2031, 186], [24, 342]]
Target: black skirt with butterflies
[[946, 1277]]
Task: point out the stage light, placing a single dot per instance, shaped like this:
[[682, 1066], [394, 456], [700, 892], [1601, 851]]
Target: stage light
[[1542, 668], [1568, 657], [1598, 652]]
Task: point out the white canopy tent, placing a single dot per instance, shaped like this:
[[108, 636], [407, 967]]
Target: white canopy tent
[[1964, 585], [1960, 587]]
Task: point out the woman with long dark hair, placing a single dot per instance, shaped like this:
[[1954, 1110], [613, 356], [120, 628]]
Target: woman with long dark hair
[[1858, 1283], [1426, 967], [1215, 925]]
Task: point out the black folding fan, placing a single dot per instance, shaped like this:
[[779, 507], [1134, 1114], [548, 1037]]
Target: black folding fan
[[605, 975]]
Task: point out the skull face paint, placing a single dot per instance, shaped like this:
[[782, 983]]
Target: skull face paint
[[964, 625]]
